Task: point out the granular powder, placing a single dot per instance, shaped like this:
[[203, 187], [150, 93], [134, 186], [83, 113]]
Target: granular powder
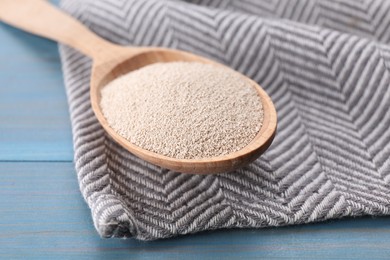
[[184, 110]]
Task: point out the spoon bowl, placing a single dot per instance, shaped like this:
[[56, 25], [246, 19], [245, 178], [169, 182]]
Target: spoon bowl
[[111, 61]]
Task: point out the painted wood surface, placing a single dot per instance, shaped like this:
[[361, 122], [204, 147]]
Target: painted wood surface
[[42, 213], [44, 216], [34, 118]]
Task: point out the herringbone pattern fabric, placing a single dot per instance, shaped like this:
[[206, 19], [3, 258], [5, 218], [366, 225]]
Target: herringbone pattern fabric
[[325, 63]]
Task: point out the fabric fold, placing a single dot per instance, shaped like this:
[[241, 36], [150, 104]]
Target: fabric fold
[[324, 63]]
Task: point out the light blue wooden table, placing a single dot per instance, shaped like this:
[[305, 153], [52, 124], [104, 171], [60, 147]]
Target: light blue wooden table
[[42, 213]]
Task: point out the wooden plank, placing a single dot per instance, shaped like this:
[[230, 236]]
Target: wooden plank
[[42, 213], [43, 216], [34, 114]]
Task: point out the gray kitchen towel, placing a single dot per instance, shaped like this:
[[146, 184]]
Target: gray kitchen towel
[[325, 63]]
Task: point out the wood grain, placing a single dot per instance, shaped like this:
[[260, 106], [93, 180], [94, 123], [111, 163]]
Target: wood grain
[[111, 61], [42, 213], [34, 114], [44, 216]]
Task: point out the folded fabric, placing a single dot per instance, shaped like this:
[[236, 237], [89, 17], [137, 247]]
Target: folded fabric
[[325, 64]]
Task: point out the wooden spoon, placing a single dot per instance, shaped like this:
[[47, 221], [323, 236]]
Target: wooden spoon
[[111, 61]]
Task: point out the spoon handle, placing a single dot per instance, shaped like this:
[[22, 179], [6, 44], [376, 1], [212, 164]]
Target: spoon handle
[[43, 19]]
